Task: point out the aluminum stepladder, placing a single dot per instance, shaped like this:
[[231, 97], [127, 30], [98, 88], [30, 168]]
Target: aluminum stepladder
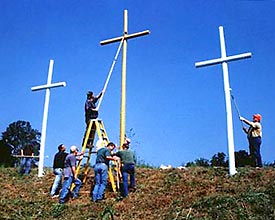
[[94, 127]]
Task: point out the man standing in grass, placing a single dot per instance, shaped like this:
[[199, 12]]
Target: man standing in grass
[[128, 162], [254, 136], [58, 166], [70, 177], [103, 157], [27, 154]]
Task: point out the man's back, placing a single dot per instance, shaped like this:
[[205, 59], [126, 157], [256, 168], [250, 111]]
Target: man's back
[[28, 150], [70, 161], [102, 154], [59, 159], [127, 156]]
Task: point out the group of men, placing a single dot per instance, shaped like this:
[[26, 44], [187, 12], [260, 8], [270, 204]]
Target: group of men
[[127, 159], [64, 164], [64, 167]]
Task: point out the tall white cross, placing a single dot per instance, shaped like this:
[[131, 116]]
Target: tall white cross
[[48, 86], [223, 60]]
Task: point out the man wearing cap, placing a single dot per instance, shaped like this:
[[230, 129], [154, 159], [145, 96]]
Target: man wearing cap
[[128, 161], [58, 165], [70, 176], [104, 155], [254, 136], [90, 106]]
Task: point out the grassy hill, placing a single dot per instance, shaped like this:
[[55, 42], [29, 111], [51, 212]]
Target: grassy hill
[[193, 193]]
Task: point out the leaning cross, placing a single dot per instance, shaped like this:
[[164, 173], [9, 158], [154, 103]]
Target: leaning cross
[[124, 38], [48, 86], [223, 60]]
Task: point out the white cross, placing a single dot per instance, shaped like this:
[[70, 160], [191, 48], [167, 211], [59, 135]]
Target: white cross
[[223, 60], [48, 86]]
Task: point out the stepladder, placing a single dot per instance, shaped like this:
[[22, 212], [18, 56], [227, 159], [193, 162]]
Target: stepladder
[[95, 134]]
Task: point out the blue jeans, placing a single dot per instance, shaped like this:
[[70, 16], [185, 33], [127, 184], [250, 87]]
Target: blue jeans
[[66, 189], [101, 178], [25, 165], [57, 181], [254, 147], [128, 169]]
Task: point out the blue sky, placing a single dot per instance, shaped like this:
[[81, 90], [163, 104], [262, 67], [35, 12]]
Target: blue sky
[[177, 111]]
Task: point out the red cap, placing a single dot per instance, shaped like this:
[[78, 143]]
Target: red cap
[[258, 117]]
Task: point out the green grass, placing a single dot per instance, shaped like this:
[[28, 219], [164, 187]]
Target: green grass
[[194, 193]]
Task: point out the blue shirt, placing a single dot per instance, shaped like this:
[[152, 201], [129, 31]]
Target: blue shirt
[[70, 162]]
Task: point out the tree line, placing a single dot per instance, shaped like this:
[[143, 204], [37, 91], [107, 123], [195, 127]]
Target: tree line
[[20, 133], [242, 159]]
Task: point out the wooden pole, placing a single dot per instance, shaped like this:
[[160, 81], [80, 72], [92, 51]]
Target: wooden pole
[[124, 38]]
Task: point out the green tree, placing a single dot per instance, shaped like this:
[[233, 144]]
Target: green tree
[[202, 162], [189, 164], [6, 159], [19, 134], [219, 160], [242, 158]]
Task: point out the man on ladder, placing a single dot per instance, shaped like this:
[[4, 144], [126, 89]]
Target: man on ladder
[[91, 111]]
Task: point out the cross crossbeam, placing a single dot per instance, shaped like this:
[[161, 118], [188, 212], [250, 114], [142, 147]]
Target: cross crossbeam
[[126, 37], [46, 87], [223, 60]]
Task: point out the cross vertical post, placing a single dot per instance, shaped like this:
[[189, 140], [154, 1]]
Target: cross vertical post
[[45, 113], [123, 82], [125, 37], [223, 60]]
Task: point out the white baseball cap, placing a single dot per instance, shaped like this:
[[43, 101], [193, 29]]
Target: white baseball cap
[[127, 141], [73, 148]]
